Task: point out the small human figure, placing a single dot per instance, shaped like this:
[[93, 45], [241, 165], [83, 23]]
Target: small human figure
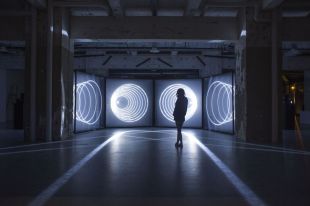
[[179, 113]]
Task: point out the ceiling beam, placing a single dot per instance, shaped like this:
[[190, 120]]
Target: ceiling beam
[[184, 28], [192, 7], [154, 5], [116, 7], [40, 4], [271, 4]]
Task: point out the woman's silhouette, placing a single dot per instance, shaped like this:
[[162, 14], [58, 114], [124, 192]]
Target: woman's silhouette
[[179, 113]]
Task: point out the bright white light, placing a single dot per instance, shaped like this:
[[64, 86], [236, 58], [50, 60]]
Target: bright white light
[[219, 103], [129, 103], [243, 33], [64, 32], [168, 98], [88, 102]]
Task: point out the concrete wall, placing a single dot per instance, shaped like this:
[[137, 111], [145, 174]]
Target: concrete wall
[[3, 97], [307, 90], [11, 87]]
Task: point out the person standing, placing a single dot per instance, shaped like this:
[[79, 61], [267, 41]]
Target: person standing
[[179, 113]]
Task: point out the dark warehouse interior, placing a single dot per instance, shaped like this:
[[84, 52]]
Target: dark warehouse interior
[[155, 102]]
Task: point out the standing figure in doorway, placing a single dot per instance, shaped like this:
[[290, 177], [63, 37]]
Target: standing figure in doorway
[[179, 113]]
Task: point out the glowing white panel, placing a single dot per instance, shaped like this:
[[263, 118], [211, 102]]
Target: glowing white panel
[[88, 102], [168, 98], [129, 103], [219, 103]]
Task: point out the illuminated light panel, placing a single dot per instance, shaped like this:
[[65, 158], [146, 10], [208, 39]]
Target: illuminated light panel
[[219, 103], [88, 102], [168, 98], [129, 103]]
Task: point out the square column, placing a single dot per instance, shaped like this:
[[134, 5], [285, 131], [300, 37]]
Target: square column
[[62, 76], [256, 75]]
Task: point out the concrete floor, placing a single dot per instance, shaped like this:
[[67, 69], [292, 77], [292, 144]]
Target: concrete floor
[[142, 167]]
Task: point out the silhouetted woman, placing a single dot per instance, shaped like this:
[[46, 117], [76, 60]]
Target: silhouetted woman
[[179, 113]]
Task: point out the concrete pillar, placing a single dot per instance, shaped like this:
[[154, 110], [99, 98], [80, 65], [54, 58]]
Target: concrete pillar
[[307, 91], [276, 82], [3, 98], [62, 76], [254, 79], [41, 96], [30, 78]]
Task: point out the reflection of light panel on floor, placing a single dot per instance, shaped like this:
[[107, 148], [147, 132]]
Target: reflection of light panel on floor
[[88, 102], [219, 103], [129, 103], [168, 98]]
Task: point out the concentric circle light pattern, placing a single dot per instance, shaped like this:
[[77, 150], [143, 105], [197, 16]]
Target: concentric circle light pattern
[[129, 103], [219, 103], [88, 102], [168, 98]]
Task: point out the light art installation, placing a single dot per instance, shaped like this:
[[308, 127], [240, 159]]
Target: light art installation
[[168, 98], [219, 103], [88, 102], [129, 103]]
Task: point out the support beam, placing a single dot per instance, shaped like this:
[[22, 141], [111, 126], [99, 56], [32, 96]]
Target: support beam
[[62, 76], [189, 28], [272, 4], [116, 7], [276, 66], [49, 69], [192, 8], [154, 4], [33, 70], [81, 3], [40, 4]]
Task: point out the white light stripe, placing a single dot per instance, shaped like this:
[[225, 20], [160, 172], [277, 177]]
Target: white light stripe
[[44, 196], [242, 188], [284, 149], [261, 149], [47, 149], [56, 142]]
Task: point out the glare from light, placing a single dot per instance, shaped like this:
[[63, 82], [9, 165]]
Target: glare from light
[[168, 98], [243, 189], [88, 102], [219, 103], [243, 33], [51, 190], [129, 103]]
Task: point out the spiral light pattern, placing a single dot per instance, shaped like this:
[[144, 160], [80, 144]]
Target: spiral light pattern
[[219, 103], [129, 103], [88, 102], [168, 98]]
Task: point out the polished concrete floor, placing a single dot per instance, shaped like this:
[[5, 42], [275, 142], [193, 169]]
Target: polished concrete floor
[[143, 167]]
